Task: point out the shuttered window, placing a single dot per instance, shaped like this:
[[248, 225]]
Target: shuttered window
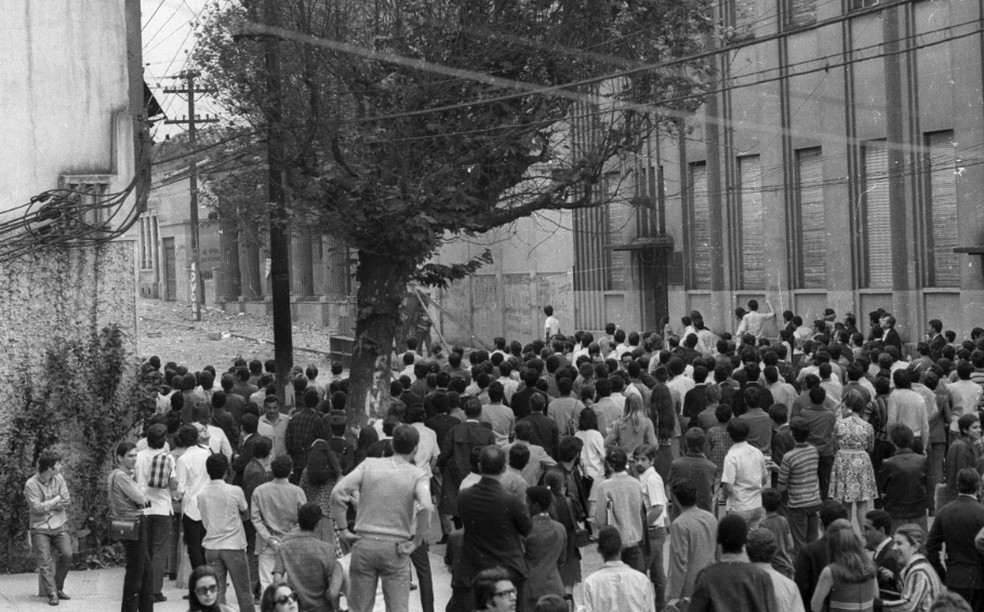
[[800, 13], [752, 217], [700, 250], [876, 213], [941, 210], [811, 218]]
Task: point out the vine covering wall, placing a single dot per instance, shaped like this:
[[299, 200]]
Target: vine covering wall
[[69, 379]]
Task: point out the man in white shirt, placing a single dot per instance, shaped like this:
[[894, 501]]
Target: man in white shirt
[[428, 450], [744, 476], [616, 586], [654, 501], [192, 479], [551, 327], [150, 476], [500, 417], [752, 322], [273, 425]]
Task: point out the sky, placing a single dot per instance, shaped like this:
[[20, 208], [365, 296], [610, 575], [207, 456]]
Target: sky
[[168, 40]]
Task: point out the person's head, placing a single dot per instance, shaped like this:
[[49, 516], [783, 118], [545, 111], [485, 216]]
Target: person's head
[[970, 426], [645, 457], [732, 533], [126, 455], [187, 435], [616, 459], [609, 543], [216, 465], [830, 511], [753, 305], [587, 419], [901, 436], [738, 430], [494, 591], [876, 528], [685, 493], [278, 598], [968, 481], [473, 408], [845, 553], [405, 439], [771, 500], [271, 407], [262, 448], [492, 460], [519, 456], [203, 588], [281, 466], [308, 516], [901, 379], [156, 435], [761, 546], [908, 539], [538, 499], [723, 413], [551, 603]]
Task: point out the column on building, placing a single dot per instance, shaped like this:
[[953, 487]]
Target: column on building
[[231, 279], [301, 270]]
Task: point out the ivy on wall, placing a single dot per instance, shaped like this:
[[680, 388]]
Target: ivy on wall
[[90, 395]]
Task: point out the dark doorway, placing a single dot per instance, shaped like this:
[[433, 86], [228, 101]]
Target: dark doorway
[[652, 272]]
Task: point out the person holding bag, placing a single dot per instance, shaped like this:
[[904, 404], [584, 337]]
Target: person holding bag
[[127, 524]]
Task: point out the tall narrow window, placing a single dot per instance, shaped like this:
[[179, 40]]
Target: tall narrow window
[[941, 210], [744, 18], [811, 220], [800, 13], [750, 211], [876, 215], [700, 248]]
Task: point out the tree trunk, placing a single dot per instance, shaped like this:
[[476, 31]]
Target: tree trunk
[[382, 283]]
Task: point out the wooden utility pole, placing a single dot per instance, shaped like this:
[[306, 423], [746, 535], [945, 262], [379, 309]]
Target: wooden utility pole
[[197, 283], [283, 343]]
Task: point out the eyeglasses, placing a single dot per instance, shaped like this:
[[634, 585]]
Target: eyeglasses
[[211, 589], [506, 593], [284, 599]]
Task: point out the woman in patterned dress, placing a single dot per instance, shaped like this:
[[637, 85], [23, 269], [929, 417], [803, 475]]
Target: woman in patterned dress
[[852, 478], [317, 480]]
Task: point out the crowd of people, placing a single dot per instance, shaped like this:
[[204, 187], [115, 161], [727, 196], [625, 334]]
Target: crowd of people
[[712, 472]]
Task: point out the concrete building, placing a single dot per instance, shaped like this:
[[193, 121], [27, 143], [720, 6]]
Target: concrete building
[[72, 95]]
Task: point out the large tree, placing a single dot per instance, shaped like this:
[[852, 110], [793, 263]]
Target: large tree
[[409, 122]]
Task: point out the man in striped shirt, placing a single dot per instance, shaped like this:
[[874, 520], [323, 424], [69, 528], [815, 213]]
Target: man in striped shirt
[[800, 485]]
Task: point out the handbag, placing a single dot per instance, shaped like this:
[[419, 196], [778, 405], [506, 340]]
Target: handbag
[[124, 528], [581, 536]]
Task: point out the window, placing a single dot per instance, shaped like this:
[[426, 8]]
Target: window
[[751, 213], [941, 210], [700, 248], [876, 216], [810, 218], [743, 18], [800, 13]]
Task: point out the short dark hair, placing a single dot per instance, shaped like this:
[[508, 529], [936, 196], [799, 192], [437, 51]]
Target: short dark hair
[[519, 456], [187, 435], [880, 520], [216, 466], [308, 516], [968, 480], [609, 542], [830, 511], [800, 429], [685, 493], [156, 435], [617, 458], [732, 533], [541, 496], [405, 439], [262, 448], [492, 460], [771, 500], [281, 466], [761, 545], [738, 430], [901, 435], [965, 422]]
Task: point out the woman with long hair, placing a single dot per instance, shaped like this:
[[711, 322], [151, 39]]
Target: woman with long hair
[[317, 480], [127, 501], [278, 598], [593, 445], [849, 582], [852, 477], [663, 414], [633, 429], [920, 584], [203, 591]]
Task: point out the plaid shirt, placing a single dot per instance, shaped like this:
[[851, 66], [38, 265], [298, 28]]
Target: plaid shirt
[[718, 443], [305, 427], [161, 470]]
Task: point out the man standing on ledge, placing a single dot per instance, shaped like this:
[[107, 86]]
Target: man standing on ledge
[[387, 492], [753, 320]]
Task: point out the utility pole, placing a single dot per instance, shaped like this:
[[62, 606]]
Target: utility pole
[[283, 343], [197, 283]]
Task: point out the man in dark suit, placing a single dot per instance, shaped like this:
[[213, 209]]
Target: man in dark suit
[[902, 480], [877, 531], [813, 557], [495, 523], [545, 432], [936, 339], [956, 524], [456, 449]]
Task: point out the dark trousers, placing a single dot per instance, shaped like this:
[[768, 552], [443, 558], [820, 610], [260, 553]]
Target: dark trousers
[[657, 575], [421, 564], [138, 595], [804, 524], [159, 529], [823, 473], [254, 560], [194, 533], [634, 557]]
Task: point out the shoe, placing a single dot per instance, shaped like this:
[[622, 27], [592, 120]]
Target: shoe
[[62, 595], [52, 600], [443, 540], [413, 587], [159, 597]]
